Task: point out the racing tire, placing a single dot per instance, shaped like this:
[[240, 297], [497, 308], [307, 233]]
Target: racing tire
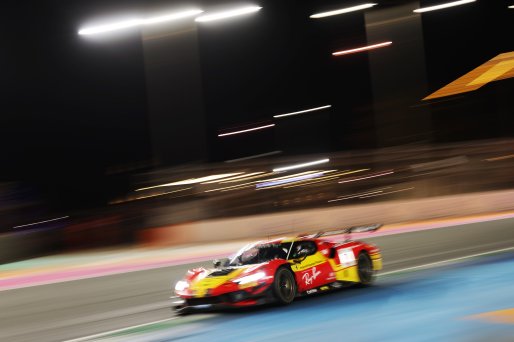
[[365, 269], [284, 286]]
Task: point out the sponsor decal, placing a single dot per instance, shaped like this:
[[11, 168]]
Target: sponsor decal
[[309, 277], [301, 266], [314, 263], [346, 257], [311, 291]]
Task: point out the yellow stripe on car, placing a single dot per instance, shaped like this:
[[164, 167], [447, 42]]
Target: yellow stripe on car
[[200, 287]]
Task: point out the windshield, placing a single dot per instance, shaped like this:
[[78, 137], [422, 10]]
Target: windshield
[[260, 253]]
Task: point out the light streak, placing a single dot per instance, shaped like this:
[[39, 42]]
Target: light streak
[[161, 194], [244, 185], [500, 158], [355, 196], [301, 111], [342, 11], [326, 178], [253, 157], [246, 130], [238, 188], [237, 178], [360, 49], [232, 187], [386, 193], [289, 176], [192, 180], [138, 22], [438, 7], [247, 178], [31, 224], [288, 180], [372, 176], [298, 166], [228, 14]]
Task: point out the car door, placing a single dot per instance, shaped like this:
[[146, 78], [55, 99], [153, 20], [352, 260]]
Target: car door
[[311, 267]]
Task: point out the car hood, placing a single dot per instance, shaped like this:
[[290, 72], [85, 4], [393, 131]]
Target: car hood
[[204, 280]]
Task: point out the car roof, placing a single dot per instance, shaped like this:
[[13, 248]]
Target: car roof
[[284, 240]]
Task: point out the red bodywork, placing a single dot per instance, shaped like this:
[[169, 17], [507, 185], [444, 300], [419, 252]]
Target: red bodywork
[[329, 264]]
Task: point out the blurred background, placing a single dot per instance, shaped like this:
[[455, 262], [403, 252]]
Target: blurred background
[[104, 135], [142, 138]]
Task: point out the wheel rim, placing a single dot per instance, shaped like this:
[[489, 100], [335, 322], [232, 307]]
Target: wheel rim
[[286, 287], [365, 270]]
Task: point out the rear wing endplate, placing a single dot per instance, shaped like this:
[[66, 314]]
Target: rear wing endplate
[[349, 230]]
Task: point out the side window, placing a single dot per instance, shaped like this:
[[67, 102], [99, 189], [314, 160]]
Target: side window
[[302, 249], [310, 246]]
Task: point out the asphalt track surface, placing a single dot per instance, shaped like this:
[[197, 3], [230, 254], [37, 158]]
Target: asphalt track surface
[[450, 303], [75, 309]]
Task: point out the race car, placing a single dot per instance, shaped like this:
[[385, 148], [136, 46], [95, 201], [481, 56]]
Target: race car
[[279, 270]]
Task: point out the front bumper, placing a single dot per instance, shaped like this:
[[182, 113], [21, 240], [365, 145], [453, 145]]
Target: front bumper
[[237, 299]]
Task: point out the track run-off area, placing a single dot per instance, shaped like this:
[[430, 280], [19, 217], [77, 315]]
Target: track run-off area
[[453, 283]]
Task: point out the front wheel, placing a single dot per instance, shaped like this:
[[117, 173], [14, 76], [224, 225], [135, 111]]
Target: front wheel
[[365, 269], [284, 286]]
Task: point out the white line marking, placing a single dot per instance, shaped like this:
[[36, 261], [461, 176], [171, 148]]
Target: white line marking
[[414, 228], [446, 261], [85, 338]]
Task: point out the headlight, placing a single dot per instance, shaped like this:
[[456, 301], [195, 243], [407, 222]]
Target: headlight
[[181, 285], [250, 278]]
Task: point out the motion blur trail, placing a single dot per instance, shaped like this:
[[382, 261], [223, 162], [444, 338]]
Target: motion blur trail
[[454, 303], [101, 305], [61, 268]]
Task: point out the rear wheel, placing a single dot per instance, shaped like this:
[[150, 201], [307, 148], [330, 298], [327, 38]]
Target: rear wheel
[[284, 286], [365, 269]]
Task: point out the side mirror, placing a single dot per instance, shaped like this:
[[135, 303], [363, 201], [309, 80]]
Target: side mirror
[[303, 253], [332, 253], [221, 262]]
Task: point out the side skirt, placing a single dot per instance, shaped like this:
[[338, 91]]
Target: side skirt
[[326, 288]]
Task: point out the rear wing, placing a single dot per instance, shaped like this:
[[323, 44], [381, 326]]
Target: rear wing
[[346, 231]]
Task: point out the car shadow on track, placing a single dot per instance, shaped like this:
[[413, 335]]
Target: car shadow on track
[[339, 296], [384, 291]]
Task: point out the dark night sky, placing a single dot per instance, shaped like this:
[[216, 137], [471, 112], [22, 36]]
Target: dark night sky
[[73, 108], [69, 111]]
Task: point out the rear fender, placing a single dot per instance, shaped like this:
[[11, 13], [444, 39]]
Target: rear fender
[[346, 257]]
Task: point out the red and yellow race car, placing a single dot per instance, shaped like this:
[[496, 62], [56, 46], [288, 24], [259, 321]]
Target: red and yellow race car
[[280, 270]]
